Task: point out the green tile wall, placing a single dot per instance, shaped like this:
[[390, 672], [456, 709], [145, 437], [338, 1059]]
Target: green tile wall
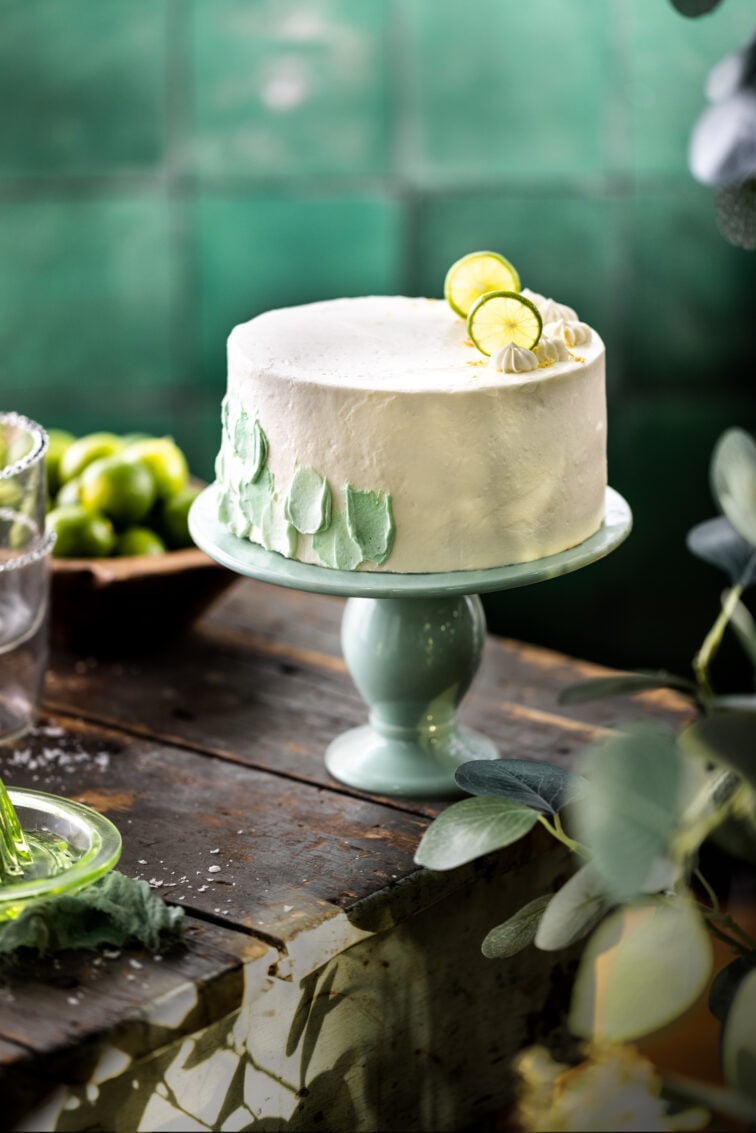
[[171, 167]]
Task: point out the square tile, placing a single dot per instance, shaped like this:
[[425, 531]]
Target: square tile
[[503, 92], [258, 253], [82, 86], [87, 294], [283, 88], [688, 314]]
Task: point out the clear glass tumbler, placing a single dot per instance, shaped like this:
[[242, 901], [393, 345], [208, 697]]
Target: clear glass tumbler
[[24, 573], [23, 444]]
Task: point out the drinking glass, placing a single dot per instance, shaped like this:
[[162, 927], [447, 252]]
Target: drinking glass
[[23, 444], [24, 573]]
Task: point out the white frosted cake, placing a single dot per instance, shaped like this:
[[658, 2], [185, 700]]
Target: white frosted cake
[[371, 434]]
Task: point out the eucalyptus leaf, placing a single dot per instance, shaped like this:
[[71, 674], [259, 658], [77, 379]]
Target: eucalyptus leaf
[[717, 542], [518, 932], [693, 8], [541, 786], [725, 984], [729, 738], [733, 480], [640, 785], [739, 1039], [573, 911], [471, 828], [736, 702], [642, 968], [597, 688]]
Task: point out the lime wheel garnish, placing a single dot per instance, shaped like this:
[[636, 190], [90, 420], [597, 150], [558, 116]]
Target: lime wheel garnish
[[474, 275], [501, 317]]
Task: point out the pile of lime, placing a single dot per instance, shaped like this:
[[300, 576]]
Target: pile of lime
[[112, 494]]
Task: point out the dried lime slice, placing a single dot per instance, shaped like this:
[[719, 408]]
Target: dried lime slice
[[473, 275], [501, 317]]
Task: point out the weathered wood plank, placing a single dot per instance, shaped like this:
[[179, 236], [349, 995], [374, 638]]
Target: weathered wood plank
[[273, 697], [253, 850], [52, 1003]]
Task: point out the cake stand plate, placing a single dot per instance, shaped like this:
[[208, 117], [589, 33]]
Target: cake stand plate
[[412, 643]]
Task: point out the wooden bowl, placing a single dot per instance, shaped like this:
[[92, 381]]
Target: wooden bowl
[[131, 604]]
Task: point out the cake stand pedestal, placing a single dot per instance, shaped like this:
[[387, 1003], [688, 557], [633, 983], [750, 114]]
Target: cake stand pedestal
[[412, 643]]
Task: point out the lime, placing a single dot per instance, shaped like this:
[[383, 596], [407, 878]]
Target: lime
[[474, 275], [132, 438], [85, 451], [501, 317], [70, 493], [139, 541], [58, 442], [80, 533], [165, 460], [174, 522], [121, 488]]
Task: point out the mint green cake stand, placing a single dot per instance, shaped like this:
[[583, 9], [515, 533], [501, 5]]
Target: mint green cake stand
[[412, 643]]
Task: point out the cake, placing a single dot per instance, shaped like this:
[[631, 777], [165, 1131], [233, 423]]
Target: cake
[[371, 434]]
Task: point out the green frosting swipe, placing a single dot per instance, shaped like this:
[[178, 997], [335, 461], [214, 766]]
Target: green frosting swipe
[[308, 506], [256, 495], [249, 444], [250, 507], [370, 522], [336, 547]]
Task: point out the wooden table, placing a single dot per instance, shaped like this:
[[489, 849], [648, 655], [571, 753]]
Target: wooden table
[[326, 982]]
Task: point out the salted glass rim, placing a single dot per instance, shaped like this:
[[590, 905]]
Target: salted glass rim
[[37, 550], [38, 450]]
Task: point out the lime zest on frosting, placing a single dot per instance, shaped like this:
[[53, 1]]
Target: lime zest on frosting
[[475, 274], [308, 504]]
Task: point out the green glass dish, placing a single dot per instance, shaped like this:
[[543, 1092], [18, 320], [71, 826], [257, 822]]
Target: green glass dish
[[70, 846]]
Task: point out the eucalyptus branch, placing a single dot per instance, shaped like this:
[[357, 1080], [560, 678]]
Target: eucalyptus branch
[[708, 890], [716, 802], [713, 920], [557, 831], [711, 643]]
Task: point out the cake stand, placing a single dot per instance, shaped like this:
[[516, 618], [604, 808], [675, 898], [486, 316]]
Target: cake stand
[[412, 643]]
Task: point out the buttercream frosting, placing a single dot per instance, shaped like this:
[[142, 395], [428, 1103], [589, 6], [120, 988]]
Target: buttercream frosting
[[431, 460]]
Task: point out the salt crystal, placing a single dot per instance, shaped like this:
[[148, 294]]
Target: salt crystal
[[214, 869]]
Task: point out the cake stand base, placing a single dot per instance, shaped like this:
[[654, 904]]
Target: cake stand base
[[413, 660], [412, 643], [394, 766]]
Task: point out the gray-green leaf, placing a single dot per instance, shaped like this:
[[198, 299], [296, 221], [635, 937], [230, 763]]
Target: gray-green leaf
[[733, 480], [518, 932], [597, 688], [642, 968], [717, 542], [542, 786], [471, 828], [728, 737], [739, 1039], [573, 911], [640, 785]]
